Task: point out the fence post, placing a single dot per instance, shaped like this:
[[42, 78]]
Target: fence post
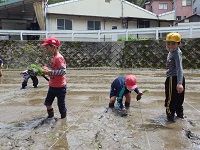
[[46, 34], [99, 34], [157, 37], [126, 35], [73, 36], [190, 29], [21, 36]]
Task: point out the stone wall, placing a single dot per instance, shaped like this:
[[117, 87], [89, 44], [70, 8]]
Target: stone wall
[[130, 54]]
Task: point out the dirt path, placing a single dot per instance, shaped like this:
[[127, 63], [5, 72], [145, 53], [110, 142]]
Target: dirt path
[[88, 126]]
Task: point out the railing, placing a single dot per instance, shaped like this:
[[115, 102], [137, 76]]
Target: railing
[[102, 35]]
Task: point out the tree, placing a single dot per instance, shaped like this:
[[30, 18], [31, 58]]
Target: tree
[[1, 1], [55, 1]]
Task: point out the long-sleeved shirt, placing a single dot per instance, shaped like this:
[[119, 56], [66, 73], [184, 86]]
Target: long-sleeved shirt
[[58, 74], [174, 65], [120, 87]]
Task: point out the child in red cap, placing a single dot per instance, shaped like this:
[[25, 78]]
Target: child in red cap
[[122, 86], [57, 74]]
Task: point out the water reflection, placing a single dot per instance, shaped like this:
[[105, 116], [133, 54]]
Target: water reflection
[[61, 136], [1, 80]]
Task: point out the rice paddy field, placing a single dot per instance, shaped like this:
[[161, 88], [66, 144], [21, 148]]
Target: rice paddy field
[[90, 125]]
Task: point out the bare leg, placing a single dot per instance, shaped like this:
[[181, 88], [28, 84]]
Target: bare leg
[[49, 107], [128, 99], [0, 72]]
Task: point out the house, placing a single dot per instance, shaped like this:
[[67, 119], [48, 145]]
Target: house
[[194, 21], [102, 15], [182, 8], [191, 19], [22, 15], [78, 15], [196, 6], [159, 7]]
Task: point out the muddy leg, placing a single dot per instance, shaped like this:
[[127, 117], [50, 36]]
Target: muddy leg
[[112, 102], [128, 100], [50, 113]]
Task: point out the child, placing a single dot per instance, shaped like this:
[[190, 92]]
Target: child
[[175, 81], [30, 73], [57, 82], [122, 86], [1, 66]]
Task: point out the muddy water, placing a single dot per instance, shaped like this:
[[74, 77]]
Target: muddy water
[[89, 124]]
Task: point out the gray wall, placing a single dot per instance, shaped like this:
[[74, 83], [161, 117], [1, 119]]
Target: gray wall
[[131, 54]]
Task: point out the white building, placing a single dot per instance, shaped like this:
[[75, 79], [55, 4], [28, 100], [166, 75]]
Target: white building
[[102, 15], [79, 15]]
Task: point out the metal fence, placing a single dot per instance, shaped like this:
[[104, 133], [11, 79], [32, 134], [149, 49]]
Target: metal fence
[[101, 35]]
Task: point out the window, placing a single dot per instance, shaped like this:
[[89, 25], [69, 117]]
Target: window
[[64, 24], [94, 25], [178, 17], [162, 6], [173, 8], [144, 24], [114, 27], [194, 10], [186, 2]]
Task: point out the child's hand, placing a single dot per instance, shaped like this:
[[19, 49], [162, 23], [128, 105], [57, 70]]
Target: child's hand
[[179, 88], [46, 70], [23, 72], [139, 96]]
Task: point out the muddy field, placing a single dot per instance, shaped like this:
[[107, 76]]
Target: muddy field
[[88, 126]]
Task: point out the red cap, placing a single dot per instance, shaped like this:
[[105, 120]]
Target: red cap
[[130, 82], [51, 41]]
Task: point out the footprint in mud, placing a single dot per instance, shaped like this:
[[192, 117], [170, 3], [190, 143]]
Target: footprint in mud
[[117, 111], [36, 123], [155, 124], [152, 127], [191, 136], [160, 120], [191, 123]]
